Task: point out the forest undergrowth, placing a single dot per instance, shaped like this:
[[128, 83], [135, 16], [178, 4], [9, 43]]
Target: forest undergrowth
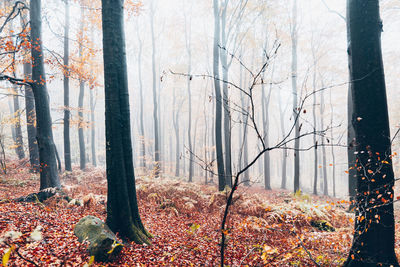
[[272, 228]]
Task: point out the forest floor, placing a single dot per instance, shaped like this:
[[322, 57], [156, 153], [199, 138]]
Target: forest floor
[[265, 227]]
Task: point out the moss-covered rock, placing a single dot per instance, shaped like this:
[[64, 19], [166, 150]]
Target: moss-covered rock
[[323, 225], [103, 243]]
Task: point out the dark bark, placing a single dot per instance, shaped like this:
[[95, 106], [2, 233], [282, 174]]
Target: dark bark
[[374, 236], [225, 98], [218, 101], [351, 149], [48, 165], [67, 113], [31, 119], [122, 208], [81, 124]]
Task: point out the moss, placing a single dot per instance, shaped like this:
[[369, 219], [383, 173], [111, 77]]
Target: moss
[[323, 225]]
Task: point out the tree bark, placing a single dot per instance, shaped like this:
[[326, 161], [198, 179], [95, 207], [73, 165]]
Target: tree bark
[[31, 119], [48, 165], [81, 124], [218, 101], [67, 112], [141, 128], [374, 236], [296, 175], [122, 208], [19, 141], [157, 152]]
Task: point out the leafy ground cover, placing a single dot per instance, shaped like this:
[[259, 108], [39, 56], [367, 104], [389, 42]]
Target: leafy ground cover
[[265, 228]]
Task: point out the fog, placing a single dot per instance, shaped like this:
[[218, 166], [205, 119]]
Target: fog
[[264, 27]]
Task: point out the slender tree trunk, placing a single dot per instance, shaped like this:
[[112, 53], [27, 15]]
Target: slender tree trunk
[[122, 208], [225, 99], [296, 175], [141, 128], [93, 127], [175, 120], [189, 70], [19, 141], [81, 124], [48, 165], [333, 150], [284, 152], [157, 152], [324, 171], [67, 113], [265, 118], [374, 235], [218, 101], [315, 142]]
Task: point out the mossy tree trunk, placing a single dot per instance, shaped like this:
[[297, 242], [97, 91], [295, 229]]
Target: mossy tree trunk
[[122, 208]]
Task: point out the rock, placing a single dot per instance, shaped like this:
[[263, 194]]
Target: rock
[[323, 225], [103, 244]]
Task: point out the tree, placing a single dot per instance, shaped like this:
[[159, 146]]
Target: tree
[[67, 113], [82, 150], [294, 92], [218, 101], [122, 208], [47, 150], [373, 242], [157, 151]]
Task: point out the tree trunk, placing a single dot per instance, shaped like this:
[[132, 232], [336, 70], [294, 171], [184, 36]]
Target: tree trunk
[[122, 208], [31, 119], [19, 143], [67, 112], [93, 127], [333, 150], [157, 152], [141, 119], [81, 124], [284, 152], [294, 91], [48, 165], [323, 164], [218, 101], [225, 99], [189, 78], [374, 236], [175, 120]]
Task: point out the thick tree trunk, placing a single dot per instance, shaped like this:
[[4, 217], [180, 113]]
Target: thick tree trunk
[[48, 165], [157, 152], [122, 208], [218, 101], [374, 236], [67, 112], [296, 175], [31, 119]]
